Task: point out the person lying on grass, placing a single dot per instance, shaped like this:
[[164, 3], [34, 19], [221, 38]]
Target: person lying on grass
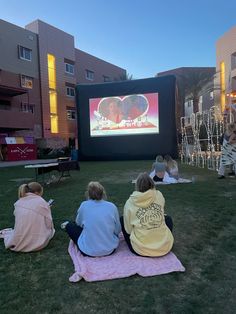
[[97, 225], [147, 231], [33, 221]]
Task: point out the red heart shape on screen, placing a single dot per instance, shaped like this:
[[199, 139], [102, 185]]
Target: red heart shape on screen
[[116, 109]]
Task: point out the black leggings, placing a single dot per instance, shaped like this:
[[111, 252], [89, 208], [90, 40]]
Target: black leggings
[[168, 221], [74, 231]]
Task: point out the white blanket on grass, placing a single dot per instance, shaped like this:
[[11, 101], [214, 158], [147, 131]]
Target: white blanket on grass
[[167, 179]]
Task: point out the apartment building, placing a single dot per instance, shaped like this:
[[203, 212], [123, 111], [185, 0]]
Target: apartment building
[[57, 75], [95, 70], [20, 104], [225, 82], [39, 69]]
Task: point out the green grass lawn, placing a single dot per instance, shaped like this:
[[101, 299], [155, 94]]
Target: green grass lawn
[[204, 215]]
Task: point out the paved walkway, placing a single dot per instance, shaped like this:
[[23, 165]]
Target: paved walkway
[[4, 164]]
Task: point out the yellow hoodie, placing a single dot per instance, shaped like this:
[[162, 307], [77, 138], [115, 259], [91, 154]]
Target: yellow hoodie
[[145, 222]]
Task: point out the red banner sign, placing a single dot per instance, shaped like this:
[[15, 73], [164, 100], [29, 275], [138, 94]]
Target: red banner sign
[[21, 152]]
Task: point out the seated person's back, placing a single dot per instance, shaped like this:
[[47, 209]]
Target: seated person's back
[[171, 167], [146, 227], [97, 227], [33, 221], [158, 169]]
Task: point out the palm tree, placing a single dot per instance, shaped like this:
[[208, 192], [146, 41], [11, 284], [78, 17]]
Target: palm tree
[[193, 82], [124, 77]]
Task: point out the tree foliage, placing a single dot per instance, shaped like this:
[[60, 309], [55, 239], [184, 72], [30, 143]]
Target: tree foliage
[[193, 82]]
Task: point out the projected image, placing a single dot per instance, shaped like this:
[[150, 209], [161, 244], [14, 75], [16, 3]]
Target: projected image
[[124, 115]]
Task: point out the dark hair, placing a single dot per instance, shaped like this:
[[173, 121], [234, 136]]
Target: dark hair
[[144, 182]]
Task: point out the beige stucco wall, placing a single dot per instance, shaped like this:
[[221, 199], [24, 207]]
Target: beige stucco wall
[[10, 37], [225, 47], [60, 44]]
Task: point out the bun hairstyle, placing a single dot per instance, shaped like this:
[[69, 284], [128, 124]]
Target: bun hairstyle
[[95, 191], [144, 183], [32, 187]]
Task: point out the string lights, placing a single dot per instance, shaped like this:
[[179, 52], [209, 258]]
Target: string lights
[[201, 137]]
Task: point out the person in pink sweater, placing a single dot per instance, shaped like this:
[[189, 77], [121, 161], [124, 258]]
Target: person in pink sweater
[[33, 221]]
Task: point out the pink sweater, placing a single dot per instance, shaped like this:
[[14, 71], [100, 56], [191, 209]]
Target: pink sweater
[[33, 225]]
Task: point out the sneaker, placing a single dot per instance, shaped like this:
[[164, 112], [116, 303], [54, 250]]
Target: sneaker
[[221, 177], [63, 225], [231, 174]]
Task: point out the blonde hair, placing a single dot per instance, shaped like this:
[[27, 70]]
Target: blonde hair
[[95, 191], [159, 158], [144, 183], [32, 187], [171, 163]]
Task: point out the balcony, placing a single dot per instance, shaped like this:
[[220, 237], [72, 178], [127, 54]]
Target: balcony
[[16, 120], [11, 91]]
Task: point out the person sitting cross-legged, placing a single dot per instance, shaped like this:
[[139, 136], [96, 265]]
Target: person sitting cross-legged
[[147, 230], [33, 227], [97, 225], [158, 169]]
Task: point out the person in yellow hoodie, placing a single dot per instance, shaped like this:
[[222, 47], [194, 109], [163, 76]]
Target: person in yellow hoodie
[[147, 230]]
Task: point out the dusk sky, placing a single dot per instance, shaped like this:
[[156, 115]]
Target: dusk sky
[[142, 36]]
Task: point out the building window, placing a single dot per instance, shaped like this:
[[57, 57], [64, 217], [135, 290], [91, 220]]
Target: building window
[[25, 53], [69, 68], [233, 86], [71, 114], [89, 75], [70, 91], [26, 81], [53, 101], [54, 123], [52, 93], [222, 85], [25, 107], [189, 103], [5, 104], [200, 101], [233, 61], [106, 78], [51, 71]]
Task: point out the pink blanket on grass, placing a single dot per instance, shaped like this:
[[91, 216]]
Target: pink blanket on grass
[[120, 264]]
